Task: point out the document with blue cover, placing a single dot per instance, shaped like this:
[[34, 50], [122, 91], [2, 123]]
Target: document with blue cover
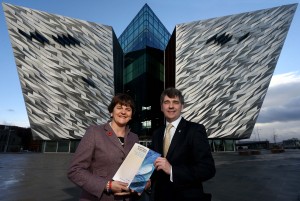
[[137, 167]]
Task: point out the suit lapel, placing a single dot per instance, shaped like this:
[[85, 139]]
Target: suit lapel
[[161, 139], [112, 137], [177, 138]]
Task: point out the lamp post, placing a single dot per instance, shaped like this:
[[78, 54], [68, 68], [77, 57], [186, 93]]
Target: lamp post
[[258, 134], [274, 135], [7, 141]]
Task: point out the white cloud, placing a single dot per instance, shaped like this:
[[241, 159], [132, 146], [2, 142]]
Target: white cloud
[[20, 123], [283, 88], [286, 78], [280, 113], [279, 130]]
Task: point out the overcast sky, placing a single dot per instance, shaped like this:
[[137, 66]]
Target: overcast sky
[[280, 114]]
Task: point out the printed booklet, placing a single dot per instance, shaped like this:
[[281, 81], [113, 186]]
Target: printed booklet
[[137, 167]]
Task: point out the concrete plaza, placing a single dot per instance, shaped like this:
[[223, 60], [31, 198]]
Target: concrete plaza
[[265, 177]]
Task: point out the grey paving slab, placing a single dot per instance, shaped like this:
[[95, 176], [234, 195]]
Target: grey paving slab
[[265, 177], [35, 177]]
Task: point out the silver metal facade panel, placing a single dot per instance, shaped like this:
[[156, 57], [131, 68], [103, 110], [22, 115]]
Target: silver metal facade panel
[[65, 67], [224, 66]]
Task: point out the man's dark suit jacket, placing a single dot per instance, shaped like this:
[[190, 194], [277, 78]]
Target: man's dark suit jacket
[[191, 160]]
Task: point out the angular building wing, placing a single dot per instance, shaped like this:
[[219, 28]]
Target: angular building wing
[[66, 69], [224, 66]]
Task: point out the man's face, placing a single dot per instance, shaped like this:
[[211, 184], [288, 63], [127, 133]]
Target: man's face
[[171, 107]]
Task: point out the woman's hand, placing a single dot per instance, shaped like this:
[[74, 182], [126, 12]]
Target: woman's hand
[[118, 187]]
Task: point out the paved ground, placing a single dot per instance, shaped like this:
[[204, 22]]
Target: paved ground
[[265, 177]]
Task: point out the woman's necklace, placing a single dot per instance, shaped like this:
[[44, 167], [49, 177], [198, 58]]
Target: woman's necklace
[[121, 139]]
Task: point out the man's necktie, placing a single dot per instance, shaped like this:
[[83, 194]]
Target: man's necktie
[[167, 139]]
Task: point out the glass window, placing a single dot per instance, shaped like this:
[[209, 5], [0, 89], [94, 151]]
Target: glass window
[[145, 21], [151, 21], [218, 145], [161, 73], [141, 21], [73, 146], [135, 25], [63, 146], [146, 108], [155, 24], [139, 30], [129, 76], [130, 29], [135, 33], [50, 146], [229, 145], [146, 124], [146, 16]]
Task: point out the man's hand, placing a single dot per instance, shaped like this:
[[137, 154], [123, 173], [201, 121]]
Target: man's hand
[[163, 164], [148, 184]]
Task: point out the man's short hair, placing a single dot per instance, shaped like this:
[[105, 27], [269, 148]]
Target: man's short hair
[[171, 93]]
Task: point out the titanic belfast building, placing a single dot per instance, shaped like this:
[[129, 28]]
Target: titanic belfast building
[[69, 70]]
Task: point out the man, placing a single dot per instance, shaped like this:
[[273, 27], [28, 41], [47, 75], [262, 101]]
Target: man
[[187, 159]]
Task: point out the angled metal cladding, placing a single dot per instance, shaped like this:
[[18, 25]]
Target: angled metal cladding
[[224, 66], [65, 67]]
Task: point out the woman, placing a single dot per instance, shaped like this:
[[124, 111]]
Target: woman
[[101, 152]]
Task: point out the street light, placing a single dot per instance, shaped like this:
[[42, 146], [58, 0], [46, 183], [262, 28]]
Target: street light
[[274, 135], [258, 134], [7, 141]]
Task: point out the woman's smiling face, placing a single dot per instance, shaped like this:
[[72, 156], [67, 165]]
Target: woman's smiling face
[[121, 114]]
